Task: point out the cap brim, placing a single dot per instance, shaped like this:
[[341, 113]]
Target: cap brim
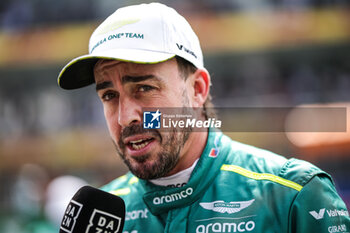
[[79, 72]]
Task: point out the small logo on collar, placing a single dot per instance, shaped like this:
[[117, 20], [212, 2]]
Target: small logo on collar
[[214, 152]]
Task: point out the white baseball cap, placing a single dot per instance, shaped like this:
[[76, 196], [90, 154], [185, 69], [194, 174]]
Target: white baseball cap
[[146, 33]]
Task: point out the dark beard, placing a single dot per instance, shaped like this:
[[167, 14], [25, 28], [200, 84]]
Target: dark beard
[[165, 161]]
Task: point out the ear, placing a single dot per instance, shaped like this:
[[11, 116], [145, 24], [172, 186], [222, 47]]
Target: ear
[[200, 82]]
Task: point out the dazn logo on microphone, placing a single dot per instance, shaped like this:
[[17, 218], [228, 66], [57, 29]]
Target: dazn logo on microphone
[[101, 221], [70, 216]]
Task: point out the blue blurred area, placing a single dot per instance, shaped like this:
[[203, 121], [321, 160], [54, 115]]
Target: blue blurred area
[[21, 14]]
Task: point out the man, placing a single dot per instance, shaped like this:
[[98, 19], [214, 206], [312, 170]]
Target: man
[[182, 180]]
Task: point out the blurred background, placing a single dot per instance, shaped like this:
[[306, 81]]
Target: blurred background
[[260, 53]]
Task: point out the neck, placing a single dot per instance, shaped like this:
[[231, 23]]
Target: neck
[[191, 151]]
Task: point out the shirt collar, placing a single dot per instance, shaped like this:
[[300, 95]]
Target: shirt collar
[[161, 199]]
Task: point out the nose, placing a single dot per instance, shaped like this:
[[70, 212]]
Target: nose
[[130, 112]]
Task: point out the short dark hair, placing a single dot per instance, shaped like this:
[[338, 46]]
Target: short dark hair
[[186, 68]]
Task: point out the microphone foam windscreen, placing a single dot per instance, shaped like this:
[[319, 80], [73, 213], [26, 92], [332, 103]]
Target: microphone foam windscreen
[[93, 210]]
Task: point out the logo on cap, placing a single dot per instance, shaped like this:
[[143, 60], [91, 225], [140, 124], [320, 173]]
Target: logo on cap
[[101, 221], [70, 216], [151, 120], [114, 25]]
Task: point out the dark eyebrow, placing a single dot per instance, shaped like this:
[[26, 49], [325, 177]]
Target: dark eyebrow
[[135, 79], [126, 79], [103, 85]]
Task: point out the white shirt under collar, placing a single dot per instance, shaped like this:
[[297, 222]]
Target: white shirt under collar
[[177, 180]]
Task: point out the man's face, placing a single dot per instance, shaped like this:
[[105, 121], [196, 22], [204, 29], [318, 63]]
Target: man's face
[[124, 89]]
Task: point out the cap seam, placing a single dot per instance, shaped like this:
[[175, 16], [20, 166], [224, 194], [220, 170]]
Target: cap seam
[[165, 32]]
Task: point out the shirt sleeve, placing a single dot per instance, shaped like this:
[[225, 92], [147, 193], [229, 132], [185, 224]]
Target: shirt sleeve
[[319, 208]]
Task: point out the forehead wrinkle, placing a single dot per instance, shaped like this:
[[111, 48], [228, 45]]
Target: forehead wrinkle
[[103, 67], [128, 72], [104, 64]]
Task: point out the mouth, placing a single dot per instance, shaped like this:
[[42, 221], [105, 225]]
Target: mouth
[[139, 144]]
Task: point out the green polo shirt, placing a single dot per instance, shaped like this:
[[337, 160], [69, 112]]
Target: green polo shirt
[[236, 188]]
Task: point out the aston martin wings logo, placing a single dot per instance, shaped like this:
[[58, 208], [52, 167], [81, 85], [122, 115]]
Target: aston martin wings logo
[[225, 207]]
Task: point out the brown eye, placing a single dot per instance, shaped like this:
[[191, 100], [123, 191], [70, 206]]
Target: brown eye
[[108, 96], [145, 88]]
